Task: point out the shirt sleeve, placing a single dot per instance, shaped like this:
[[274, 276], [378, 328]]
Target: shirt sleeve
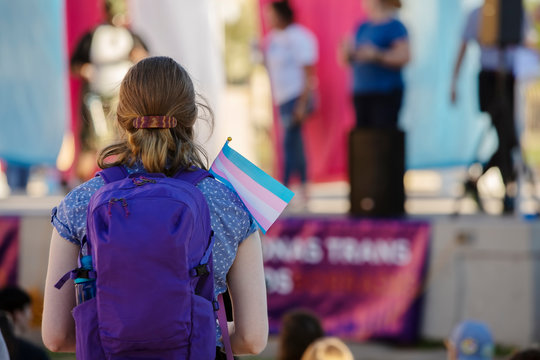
[[470, 32], [400, 31], [229, 216], [64, 222], [69, 217], [305, 47]]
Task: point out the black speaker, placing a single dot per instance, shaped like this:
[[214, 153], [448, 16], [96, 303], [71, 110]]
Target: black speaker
[[376, 170]]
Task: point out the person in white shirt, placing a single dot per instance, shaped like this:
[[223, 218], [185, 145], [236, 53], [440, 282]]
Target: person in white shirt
[[291, 52]]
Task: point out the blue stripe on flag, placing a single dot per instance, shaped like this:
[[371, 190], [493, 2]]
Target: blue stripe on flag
[[257, 174]]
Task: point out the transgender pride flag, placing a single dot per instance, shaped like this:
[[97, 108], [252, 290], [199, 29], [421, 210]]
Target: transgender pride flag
[[264, 197]]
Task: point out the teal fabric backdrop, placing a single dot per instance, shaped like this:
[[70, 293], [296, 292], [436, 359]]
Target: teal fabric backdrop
[[33, 70], [440, 134]]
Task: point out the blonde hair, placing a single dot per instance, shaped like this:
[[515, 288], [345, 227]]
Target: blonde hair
[[329, 348], [157, 86]]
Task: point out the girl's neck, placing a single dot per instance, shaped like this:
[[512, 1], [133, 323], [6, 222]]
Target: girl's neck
[[381, 14]]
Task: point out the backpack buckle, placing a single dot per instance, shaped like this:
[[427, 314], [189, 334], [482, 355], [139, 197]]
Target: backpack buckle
[[83, 273], [200, 270]]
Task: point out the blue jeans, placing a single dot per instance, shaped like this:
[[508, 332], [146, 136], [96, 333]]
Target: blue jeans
[[293, 144]]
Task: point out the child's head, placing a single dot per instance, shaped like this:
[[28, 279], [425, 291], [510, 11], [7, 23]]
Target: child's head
[[330, 348], [17, 305], [299, 329], [470, 340], [157, 86]]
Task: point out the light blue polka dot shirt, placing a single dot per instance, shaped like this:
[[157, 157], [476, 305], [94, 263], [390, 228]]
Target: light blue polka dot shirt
[[231, 221]]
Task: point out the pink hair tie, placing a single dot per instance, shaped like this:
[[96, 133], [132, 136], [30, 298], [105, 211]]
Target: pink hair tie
[[154, 122]]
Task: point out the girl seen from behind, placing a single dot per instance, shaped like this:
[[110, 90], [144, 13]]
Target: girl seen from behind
[[157, 112]]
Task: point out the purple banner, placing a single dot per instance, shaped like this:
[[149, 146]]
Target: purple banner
[[363, 278], [9, 250]]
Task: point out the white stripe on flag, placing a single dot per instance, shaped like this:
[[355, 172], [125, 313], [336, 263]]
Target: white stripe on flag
[[264, 209]]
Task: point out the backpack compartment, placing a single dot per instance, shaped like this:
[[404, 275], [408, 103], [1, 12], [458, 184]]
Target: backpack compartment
[[144, 241]]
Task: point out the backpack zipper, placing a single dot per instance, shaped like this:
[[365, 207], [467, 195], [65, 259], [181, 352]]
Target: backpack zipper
[[124, 205]]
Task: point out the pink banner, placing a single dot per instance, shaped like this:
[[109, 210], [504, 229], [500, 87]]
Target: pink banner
[[326, 132], [9, 250], [81, 17], [363, 278]]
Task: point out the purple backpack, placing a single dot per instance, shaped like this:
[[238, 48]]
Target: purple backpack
[[151, 243]]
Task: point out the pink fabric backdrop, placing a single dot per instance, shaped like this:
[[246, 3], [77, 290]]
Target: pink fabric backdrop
[[81, 17], [326, 133], [9, 250]]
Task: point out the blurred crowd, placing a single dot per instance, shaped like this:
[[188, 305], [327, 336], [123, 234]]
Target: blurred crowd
[[376, 53], [301, 337]]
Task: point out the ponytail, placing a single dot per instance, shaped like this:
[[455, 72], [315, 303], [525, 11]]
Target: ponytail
[[157, 86]]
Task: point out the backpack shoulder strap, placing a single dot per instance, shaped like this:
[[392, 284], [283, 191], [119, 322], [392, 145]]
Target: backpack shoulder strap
[[193, 175], [112, 174]]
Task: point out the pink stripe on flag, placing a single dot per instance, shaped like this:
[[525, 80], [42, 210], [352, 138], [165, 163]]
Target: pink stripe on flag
[[263, 220], [254, 187], [247, 194]]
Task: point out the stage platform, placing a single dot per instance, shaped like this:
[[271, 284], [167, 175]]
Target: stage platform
[[480, 266]]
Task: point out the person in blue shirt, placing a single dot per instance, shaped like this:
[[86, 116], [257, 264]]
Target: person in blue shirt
[[377, 54]]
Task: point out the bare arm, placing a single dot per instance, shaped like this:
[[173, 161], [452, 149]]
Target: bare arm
[[345, 52], [249, 332], [457, 68], [300, 111], [397, 56], [58, 327]]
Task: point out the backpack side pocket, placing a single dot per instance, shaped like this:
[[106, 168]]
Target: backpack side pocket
[[203, 330], [86, 331]]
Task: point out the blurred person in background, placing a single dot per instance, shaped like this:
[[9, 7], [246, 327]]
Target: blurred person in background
[[16, 303], [291, 52], [101, 59], [299, 329], [496, 95], [377, 54], [330, 348], [529, 354], [470, 340]]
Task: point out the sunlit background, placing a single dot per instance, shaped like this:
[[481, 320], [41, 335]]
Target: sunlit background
[[219, 42]]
